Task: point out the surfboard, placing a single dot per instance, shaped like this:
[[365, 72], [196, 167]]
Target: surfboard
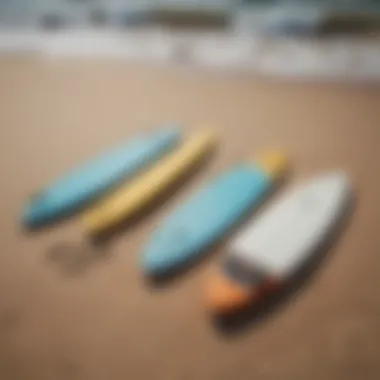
[[272, 248], [205, 218], [91, 180], [131, 198]]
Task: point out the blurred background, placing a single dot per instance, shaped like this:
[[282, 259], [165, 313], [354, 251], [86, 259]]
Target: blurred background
[[77, 77], [309, 16], [326, 38]]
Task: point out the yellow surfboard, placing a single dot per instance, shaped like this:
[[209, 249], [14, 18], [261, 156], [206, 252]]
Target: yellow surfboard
[[134, 196]]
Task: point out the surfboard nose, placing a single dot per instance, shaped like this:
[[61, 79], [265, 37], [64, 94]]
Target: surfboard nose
[[336, 181], [224, 296]]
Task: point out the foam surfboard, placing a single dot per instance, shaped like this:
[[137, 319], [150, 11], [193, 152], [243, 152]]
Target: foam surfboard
[[91, 180], [133, 197], [210, 214], [272, 248]]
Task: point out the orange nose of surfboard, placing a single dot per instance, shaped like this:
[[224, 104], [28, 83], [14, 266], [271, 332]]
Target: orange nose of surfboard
[[223, 296]]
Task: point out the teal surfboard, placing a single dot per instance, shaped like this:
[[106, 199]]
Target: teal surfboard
[[94, 178], [209, 215]]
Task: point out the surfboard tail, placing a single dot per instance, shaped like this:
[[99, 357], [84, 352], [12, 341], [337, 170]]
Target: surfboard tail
[[236, 287], [275, 164]]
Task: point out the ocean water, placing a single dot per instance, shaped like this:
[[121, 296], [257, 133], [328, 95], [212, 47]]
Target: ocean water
[[118, 13]]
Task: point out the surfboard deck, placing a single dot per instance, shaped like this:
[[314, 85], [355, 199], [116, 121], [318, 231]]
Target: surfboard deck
[[272, 248], [132, 197], [208, 216], [95, 177]]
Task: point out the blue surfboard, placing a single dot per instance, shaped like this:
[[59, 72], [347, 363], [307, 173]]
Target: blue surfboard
[[94, 178], [208, 216]]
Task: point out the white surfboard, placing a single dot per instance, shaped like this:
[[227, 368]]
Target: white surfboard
[[275, 245], [283, 237]]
